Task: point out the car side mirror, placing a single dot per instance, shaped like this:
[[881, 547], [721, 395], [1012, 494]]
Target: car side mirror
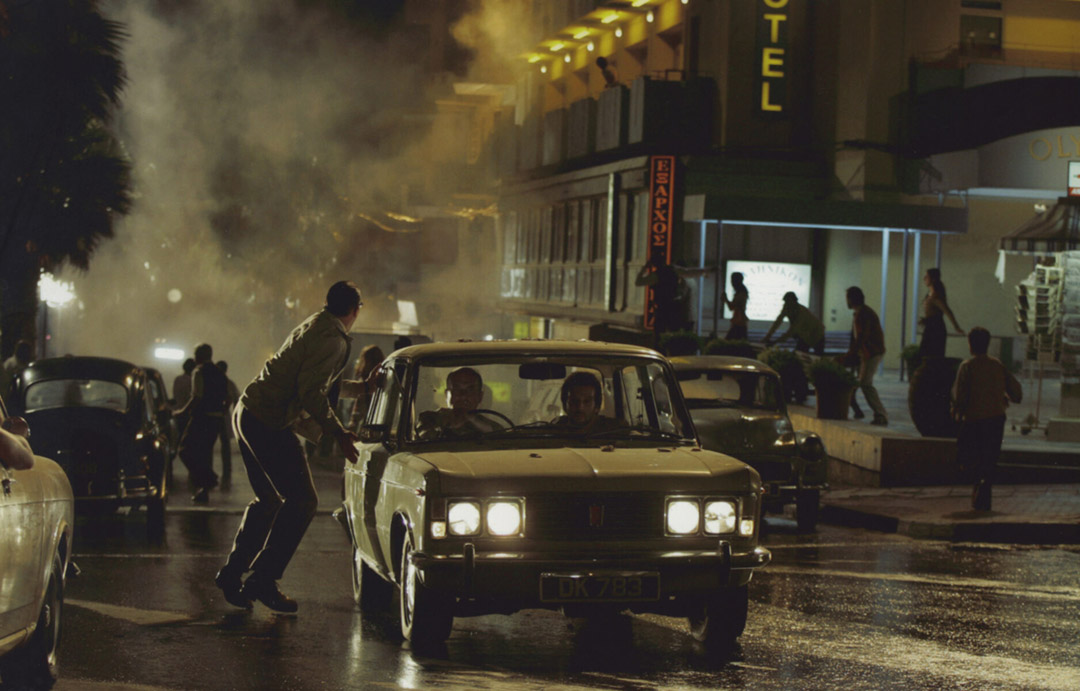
[[373, 434]]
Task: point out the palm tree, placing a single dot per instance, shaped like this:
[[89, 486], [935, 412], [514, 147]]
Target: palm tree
[[63, 177]]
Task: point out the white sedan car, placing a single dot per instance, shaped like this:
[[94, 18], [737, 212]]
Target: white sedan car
[[36, 520]]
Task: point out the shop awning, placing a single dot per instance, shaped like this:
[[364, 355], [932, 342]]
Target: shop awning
[[806, 213], [1055, 230]]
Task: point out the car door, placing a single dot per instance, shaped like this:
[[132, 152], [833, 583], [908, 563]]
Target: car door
[[21, 533], [368, 471]]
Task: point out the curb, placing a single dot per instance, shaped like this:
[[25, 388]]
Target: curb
[[1027, 533]]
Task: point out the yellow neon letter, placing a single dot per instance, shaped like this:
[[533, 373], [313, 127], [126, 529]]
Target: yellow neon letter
[[774, 25], [776, 4], [765, 105], [770, 58]]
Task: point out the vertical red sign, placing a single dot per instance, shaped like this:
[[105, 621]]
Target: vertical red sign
[[661, 221]]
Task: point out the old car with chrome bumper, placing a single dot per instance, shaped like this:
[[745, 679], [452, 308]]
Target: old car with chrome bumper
[[96, 418], [627, 513], [738, 408]]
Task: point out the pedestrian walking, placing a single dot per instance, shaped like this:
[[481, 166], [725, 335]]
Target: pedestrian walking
[[981, 393], [935, 309], [866, 348], [205, 411], [737, 331], [181, 389], [288, 396], [233, 394]]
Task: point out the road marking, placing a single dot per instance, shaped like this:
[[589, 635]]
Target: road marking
[[142, 617], [1045, 592]]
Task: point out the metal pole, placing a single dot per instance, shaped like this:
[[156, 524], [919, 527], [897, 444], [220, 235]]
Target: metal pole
[[884, 281], [718, 283], [937, 251], [903, 299], [701, 279], [916, 275]]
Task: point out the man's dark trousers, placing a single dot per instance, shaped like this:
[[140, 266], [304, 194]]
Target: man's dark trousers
[[285, 498], [978, 447]]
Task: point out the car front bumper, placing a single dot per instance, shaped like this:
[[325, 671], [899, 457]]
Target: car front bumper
[[509, 581]]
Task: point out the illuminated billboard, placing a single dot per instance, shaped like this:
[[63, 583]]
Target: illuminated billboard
[[767, 282]]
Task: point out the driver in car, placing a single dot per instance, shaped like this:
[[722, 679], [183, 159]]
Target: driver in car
[[581, 399], [461, 419]]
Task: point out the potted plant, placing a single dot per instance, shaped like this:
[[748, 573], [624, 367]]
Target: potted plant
[[683, 342], [834, 385], [792, 374], [735, 348]]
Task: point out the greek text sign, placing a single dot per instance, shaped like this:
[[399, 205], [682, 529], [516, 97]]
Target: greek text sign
[[661, 220], [767, 282]]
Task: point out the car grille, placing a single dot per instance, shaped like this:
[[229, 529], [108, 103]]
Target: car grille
[[594, 516]]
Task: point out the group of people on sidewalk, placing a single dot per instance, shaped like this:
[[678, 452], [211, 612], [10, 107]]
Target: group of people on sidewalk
[[204, 396], [982, 390]]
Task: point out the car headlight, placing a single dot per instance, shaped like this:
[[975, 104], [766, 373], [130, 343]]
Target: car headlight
[[504, 518], [464, 518], [683, 516], [719, 517]]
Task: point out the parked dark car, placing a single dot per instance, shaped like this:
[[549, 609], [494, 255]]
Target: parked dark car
[[163, 408], [94, 416], [738, 408]]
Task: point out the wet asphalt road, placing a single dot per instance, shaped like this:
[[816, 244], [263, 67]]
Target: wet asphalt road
[[842, 609]]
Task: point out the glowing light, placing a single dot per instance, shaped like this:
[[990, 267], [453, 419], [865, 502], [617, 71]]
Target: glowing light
[[618, 32], [566, 58], [290, 303], [686, 2], [610, 18], [556, 47], [165, 353], [55, 293], [534, 59], [174, 295], [581, 34], [543, 69], [591, 47], [650, 17], [489, 337], [639, 3]]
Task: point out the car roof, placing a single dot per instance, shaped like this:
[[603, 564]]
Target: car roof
[[721, 362], [529, 347], [78, 367]]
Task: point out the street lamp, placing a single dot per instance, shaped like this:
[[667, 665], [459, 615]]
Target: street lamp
[[52, 293]]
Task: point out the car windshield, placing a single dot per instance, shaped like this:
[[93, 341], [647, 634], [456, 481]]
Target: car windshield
[[76, 393], [729, 388], [591, 399]]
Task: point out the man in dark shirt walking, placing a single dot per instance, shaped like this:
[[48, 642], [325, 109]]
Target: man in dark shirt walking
[[205, 411], [867, 347], [289, 393]]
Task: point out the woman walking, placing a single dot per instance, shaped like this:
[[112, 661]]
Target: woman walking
[[935, 309], [737, 304]]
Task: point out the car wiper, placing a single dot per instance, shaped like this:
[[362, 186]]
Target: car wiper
[[647, 429]]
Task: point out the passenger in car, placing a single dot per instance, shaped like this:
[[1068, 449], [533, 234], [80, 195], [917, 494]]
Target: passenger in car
[[461, 419], [582, 397]]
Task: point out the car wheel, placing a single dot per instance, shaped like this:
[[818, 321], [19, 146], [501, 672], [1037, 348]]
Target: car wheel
[[807, 505], [425, 618], [722, 618], [35, 665], [370, 592]]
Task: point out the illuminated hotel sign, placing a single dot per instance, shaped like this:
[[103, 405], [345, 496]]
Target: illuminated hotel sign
[[771, 56], [767, 282], [661, 221]]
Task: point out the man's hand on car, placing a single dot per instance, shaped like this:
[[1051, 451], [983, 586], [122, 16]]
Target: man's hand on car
[[347, 440]]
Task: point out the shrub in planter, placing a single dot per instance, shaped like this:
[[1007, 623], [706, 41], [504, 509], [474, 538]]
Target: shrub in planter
[[680, 343], [912, 358], [790, 368], [722, 346], [834, 385]]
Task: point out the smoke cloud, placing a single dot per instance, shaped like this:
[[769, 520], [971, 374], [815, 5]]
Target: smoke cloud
[[265, 135]]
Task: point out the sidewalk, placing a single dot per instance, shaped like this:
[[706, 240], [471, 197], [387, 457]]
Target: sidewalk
[[1022, 513]]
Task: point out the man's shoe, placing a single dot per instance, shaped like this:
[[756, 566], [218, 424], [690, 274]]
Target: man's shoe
[[201, 496], [880, 421], [268, 593], [858, 414], [232, 588]]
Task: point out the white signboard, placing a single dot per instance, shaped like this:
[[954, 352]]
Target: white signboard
[[767, 282], [1074, 178]]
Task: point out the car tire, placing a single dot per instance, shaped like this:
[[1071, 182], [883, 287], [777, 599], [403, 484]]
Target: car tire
[[722, 618], [807, 507], [425, 617], [35, 665], [371, 593]]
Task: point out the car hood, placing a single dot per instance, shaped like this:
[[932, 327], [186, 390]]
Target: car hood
[[744, 431], [609, 468]]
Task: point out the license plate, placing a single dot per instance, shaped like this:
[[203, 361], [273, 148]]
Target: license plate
[[599, 587]]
